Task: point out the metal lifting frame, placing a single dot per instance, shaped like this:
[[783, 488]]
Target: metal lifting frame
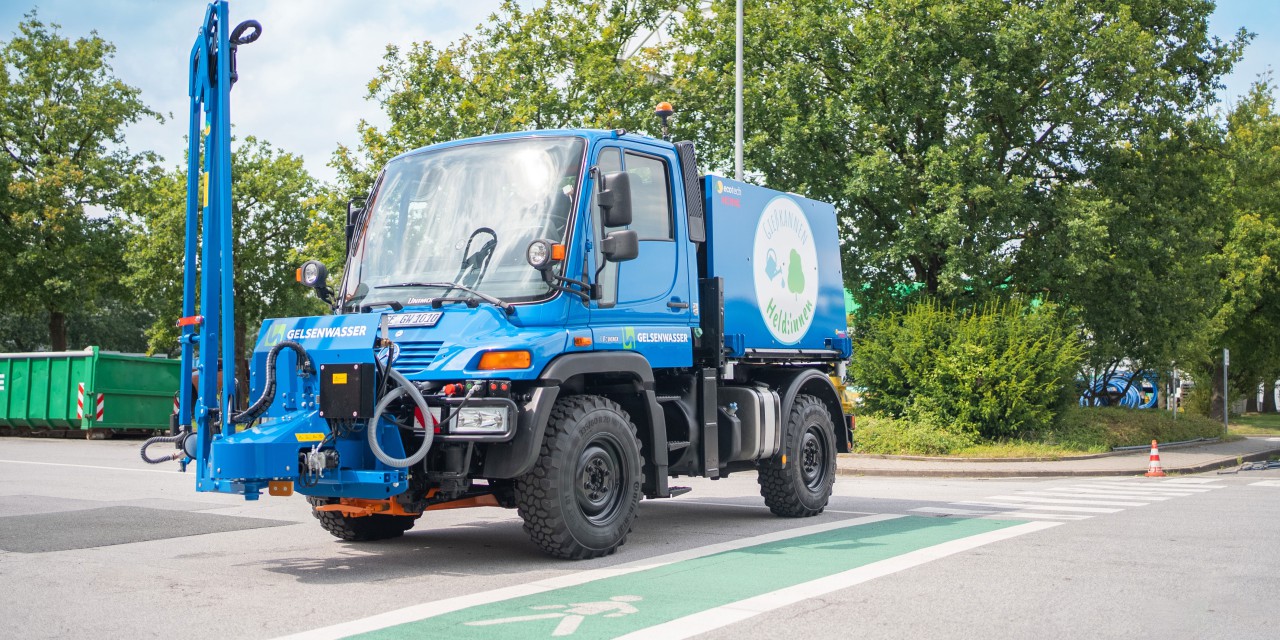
[[209, 231]]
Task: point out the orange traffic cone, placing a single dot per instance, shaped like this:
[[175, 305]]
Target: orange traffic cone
[[1153, 468]]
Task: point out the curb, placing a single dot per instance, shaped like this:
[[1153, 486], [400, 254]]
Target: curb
[[1220, 463], [1085, 456]]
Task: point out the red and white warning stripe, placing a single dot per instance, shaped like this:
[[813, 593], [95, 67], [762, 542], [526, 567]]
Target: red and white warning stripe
[[80, 401], [102, 403], [176, 406]]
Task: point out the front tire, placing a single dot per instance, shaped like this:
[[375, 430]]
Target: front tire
[[581, 496], [362, 529], [802, 487]]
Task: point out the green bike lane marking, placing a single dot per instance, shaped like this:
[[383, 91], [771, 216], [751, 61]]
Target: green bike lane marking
[[690, 592]]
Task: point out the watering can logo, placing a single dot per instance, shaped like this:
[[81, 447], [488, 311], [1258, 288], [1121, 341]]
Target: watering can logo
[[771, 268], [792, 270]]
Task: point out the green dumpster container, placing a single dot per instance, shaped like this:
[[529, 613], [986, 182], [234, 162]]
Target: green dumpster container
[[88, 389]]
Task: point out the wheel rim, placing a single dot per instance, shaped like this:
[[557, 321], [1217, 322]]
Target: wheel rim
[[600, 477], [813, 458]]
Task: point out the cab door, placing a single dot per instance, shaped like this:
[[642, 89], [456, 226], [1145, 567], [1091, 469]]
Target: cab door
[[645, 304]]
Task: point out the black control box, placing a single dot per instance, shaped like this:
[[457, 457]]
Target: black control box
[[346, 390]]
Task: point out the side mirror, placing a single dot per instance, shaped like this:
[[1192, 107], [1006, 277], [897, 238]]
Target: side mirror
[[615, 199], [620, 246], [355, 207], [313, 275]]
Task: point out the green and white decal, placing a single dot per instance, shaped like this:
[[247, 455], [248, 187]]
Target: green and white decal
[[785, 266]]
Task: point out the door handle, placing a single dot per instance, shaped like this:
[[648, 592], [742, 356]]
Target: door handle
[[676, 304]]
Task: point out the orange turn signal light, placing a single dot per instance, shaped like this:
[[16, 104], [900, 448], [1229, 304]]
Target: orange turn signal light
[[557, 252], [299, 275], [506, 360], [582, 341]]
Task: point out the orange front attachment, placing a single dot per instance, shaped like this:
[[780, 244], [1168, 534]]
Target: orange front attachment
[[357, 508], [486, 500]]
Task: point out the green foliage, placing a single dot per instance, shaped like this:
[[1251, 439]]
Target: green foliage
[[894, 436], [1247, 318], [280, 217], [562, 63], [1077, 430], [996, 371], [957, 163], [1107, 427], [62, 121], [1197, 401]]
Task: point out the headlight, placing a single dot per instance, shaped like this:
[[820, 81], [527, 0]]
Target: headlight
[[538, 254], [481, 420]]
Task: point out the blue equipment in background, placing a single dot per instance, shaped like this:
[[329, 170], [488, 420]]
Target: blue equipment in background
[[1123, 389]]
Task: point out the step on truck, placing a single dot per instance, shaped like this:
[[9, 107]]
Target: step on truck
[[558, 322]]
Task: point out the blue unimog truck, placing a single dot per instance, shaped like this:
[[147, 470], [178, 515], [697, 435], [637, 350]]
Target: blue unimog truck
[[552, 321]]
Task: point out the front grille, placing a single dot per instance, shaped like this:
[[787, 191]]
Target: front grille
[[416, 356]]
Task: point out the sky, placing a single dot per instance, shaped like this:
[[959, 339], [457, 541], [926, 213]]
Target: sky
[[303, 83]]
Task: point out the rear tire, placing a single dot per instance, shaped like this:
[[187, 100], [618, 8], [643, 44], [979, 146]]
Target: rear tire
[[580, 498], [802, 487], [362, 529]]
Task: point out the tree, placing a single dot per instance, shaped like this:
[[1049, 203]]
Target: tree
[[274, 210], [566, 63], [1147, 284], [954, 136], [62, 118], [1248, 307]]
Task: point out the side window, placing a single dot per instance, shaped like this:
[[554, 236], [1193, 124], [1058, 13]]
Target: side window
[[650, 197], [609, 161]]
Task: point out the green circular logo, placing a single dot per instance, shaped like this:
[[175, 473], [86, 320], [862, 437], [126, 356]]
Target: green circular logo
[[785, 266]]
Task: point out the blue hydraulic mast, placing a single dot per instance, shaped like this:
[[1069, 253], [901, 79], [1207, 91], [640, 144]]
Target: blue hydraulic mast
[[209, 231]]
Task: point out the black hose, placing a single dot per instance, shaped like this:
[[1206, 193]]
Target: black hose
[[264, 401], [160, 439]]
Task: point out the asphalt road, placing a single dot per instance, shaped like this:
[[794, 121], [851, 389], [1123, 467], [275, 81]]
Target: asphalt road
[[95, 544]]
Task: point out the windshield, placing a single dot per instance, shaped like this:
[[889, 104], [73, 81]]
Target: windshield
[[465, 215]]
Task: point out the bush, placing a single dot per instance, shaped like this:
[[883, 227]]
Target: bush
[[902, 437], [1091, 427], [997, 371]]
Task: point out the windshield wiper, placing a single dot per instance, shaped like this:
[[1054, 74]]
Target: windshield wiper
[[449, 286]]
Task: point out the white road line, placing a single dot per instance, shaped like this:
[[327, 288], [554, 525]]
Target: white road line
[[1023, 505], [90, 466], [1101, 503], [1154, 489], [745, 506], [1031, 514], [1068, 493], [1116, 493], [440, 607], [718, 617], [1119, 493], [1191, 480], [952, 511], [1265, 483]]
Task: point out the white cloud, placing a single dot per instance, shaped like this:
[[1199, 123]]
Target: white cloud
[[302, 84]]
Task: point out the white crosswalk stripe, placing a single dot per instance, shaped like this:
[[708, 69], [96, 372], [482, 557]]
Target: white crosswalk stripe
[[1046, 507], [1021, 497], [1076, 493], [953, 511], [1078, 501]]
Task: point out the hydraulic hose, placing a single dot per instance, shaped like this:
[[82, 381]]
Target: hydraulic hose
[[264, 401], [158, 440], [405, 387]]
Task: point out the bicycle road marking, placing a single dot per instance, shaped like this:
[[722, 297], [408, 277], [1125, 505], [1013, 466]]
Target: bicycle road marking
[[794, 564], [429, 609]]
